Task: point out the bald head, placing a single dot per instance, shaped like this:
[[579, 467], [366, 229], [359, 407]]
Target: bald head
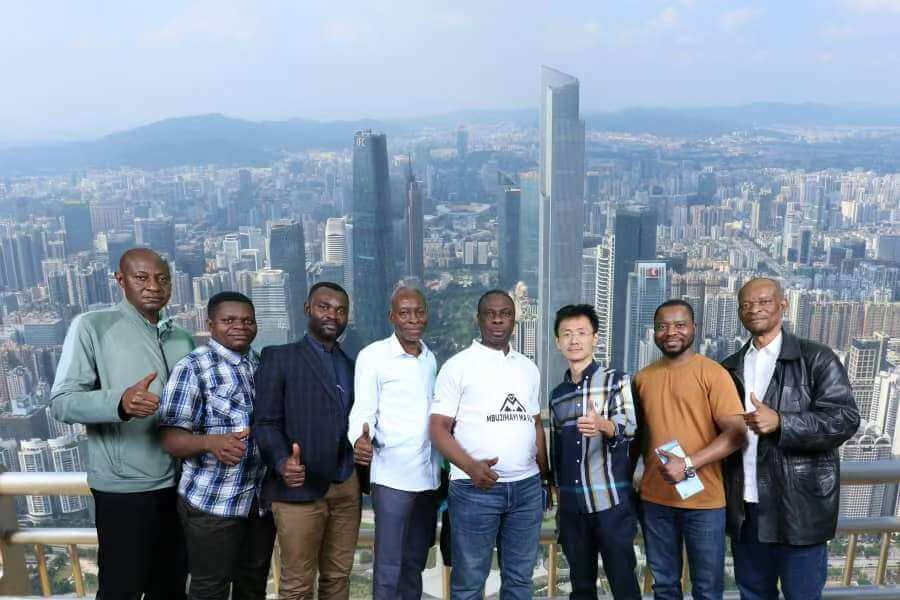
[[761, 306], [763, 283], [145, 280], [409, 316], [140, 255], [405, 291]]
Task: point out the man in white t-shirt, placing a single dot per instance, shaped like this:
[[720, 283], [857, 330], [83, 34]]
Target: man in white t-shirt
[[486, 420]]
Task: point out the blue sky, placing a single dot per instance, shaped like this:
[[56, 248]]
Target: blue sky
[[74, 69]]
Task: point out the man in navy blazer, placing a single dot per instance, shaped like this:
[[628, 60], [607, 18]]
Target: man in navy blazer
[[304, 392]]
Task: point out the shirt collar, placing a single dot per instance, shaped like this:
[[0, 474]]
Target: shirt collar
[[588, 372], [320, 346], [163, 325], [397, 347], [232, 357], [482, 348], [772, 349]]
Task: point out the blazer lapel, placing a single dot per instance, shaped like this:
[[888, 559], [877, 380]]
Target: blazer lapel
[[309, 356]]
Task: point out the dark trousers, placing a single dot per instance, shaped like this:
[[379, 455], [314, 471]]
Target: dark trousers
[[759, 566], [141, 546], [226, 551], [610, 533], [405, 525]]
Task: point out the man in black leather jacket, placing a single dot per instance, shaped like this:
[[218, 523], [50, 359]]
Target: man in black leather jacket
[[782, 491]]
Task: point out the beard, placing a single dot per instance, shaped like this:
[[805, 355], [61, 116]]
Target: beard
[[676, 353]]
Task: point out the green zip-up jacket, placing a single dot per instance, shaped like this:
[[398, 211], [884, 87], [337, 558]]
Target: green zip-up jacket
[[105, 352]]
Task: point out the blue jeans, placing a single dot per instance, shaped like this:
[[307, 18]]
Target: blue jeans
[[702, 532], [758, 566], [508, 514]]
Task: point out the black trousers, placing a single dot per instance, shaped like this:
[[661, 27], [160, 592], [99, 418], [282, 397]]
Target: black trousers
[[610, 533], [142, 549], [225, 552]]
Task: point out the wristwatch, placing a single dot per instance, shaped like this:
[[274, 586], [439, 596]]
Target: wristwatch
[[689, 470]]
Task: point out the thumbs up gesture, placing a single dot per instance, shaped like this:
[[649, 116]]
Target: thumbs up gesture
[[293, 471], [593, 425], [763, 419], [362, 449], [138, 401]]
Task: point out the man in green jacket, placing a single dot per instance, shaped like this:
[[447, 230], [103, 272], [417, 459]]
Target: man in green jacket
[[114, 364]]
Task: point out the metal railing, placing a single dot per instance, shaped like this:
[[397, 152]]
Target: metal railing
[[14, 579]]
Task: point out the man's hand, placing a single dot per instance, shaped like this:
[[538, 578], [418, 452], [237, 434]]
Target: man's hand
[[292, 470], [362, 449], [483, 476], [673, 469], [138, 401], [593, 425], [763, 420], [228, 448]]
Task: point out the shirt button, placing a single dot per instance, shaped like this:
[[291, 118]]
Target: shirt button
[[578, 460], [576, 481]]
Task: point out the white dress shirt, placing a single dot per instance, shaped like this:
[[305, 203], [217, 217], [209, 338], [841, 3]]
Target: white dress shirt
[[759, 366], [494, 398], [393, 393]]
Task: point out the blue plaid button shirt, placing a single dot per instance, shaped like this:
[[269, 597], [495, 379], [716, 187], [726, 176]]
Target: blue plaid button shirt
[[593, 474], [210, 392]]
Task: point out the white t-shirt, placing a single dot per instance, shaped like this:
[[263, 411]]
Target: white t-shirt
[[494, 398]]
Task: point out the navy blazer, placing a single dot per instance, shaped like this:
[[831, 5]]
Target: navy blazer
[[297, 403]]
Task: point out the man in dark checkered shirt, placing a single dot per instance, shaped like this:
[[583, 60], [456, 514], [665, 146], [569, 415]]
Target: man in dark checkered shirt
[[593, 422], [205, 415]]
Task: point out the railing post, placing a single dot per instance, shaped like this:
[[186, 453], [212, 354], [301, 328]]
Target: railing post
[[851, 558], [14, 581], [883, 558], [76, 570], [46, 590], [551, 570]]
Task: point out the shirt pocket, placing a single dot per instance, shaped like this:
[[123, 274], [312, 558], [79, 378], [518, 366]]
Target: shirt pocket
[[225, 410]]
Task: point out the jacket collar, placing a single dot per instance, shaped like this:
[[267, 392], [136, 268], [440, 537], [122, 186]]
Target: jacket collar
[[162, 326], [790, 350]]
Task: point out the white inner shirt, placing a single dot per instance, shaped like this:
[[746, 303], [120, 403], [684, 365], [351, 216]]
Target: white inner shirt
[[759, 366], [393, 393], [494, 398]]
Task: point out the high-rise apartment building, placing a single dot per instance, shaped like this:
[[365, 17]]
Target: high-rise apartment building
[[647, 289], [271, 295], [635, 240], [287, 253], [598, 264]]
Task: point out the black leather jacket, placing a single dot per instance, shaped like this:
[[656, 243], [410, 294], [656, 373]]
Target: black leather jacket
[[797, 469]]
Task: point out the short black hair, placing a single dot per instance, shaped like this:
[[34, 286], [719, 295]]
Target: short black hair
[[576, 310], [213, 305], [326, 284], [675, 302], [493, 292]]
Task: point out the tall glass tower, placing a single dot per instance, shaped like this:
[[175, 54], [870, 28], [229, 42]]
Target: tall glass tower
[[373, 256], [561, 213]]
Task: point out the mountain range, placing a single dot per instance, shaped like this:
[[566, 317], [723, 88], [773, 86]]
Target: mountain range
[[226, 141]]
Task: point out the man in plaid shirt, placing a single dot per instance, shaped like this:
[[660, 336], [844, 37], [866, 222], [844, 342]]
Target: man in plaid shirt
[[593, 422], [205, 413]]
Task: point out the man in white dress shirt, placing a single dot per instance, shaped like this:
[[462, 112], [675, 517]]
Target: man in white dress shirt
[[393, 386], [486, 419]]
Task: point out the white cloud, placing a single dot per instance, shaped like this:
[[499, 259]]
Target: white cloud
[[736, 19]]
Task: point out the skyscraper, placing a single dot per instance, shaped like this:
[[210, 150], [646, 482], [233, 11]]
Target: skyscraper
[[561, 213], [287, 252], [34, 457], [635, 239], [509, 216], [647, 289], [271, 295], [462, 141], [335, 241], [415, 229], [79, 232], [529, 230], [156, 233], [864, 362], [373, 255], [65, 456]]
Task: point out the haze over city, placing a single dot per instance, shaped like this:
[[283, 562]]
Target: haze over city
[[73, 71]]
